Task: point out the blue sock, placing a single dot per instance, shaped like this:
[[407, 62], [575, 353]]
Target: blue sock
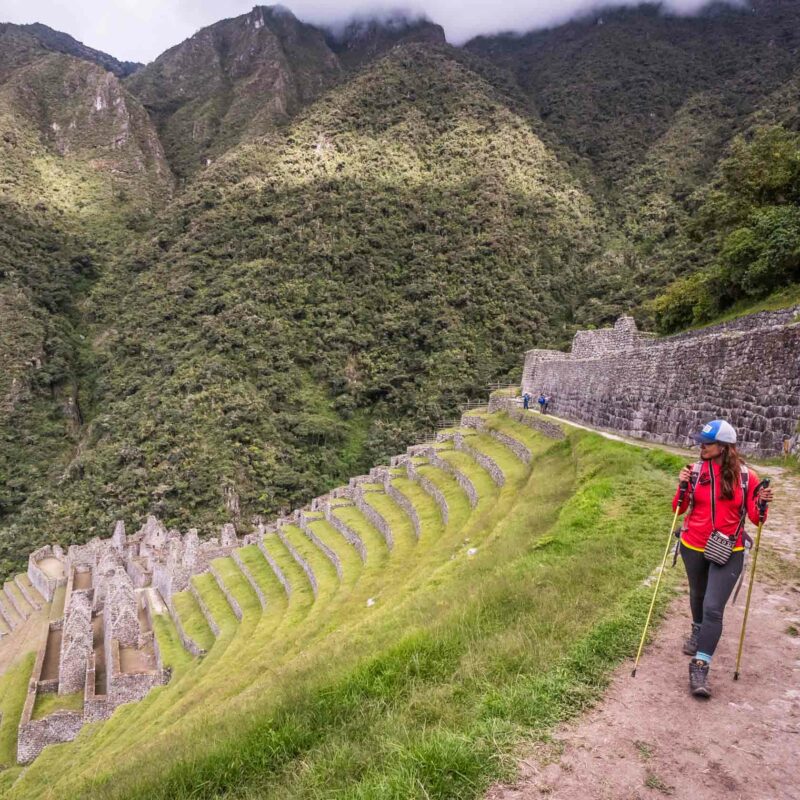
[[698, 656]]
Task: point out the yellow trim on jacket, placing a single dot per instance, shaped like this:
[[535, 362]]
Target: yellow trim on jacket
[[702, 549]]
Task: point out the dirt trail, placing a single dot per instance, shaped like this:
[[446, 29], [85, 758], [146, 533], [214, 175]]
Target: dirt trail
[[649, 738]]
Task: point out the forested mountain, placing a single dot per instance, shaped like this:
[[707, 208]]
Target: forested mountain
[[369, 226], [245, 76]]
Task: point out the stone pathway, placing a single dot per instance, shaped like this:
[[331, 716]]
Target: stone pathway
[[650, 739]]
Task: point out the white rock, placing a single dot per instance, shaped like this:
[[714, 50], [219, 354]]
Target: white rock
[[370, 602], [472, 551]]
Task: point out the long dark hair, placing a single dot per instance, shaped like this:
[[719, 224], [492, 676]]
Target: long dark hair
[[730, 467]]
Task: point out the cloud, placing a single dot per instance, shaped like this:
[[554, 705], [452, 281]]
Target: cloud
[[138, 30]]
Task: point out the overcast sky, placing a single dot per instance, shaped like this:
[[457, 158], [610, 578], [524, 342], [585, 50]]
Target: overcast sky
[[138, 30]]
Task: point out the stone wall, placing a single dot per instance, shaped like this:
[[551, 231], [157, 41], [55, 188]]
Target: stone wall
[[212, 623], [128, 687], [331, 555], [374, 517], [189, 644], [745, 371], [34, 735], [283, 580], [463, 481], [229, 596], [403, 502], [43, 583], [76, 643], [31, 596], [428, 486], [532, 419], [487, 462], [245, 570], [301, 562], [15, 601], [345, 530], [96, 707]]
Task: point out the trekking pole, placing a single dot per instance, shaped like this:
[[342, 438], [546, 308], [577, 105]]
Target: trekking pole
[[684, 485], [762, 511]]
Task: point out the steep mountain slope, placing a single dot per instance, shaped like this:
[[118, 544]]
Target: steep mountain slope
[[649, 104], [613, 85], [60, 42], [241, 77], [320, 294], [385, 225], [80, 168]]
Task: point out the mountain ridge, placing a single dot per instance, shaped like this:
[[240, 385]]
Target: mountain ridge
[[364, 232]]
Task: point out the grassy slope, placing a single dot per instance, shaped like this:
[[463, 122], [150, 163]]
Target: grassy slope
[[13, 689], [425, 693]]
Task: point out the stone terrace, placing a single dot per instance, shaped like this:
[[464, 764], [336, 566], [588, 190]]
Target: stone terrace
[[102, 650]]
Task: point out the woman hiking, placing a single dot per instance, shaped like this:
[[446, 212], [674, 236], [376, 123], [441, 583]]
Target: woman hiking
[[723, 492]]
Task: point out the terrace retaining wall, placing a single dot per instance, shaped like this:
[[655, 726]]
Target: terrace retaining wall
[[745, 371]]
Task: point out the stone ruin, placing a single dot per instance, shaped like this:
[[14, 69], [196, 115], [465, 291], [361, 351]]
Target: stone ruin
[[103, 644], [746, 371]]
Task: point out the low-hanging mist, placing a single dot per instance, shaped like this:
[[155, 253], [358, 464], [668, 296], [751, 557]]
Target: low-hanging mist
[[140, 31]]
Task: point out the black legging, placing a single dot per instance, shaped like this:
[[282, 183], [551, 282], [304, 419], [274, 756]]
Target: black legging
[[710, 586]]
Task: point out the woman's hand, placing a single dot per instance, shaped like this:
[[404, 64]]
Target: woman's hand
[[765, 495], [684, 476]]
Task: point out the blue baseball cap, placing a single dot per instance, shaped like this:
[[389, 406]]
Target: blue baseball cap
[[716, 431]]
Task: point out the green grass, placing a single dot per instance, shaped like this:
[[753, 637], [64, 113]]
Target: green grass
[[478, 476], [32, 590], [428, 692], [11, 613], [173, 656], [375, 544], [192, 619], [262, 573], [22, 603], [399, 523], [513, 468], [350, 562], [238, 586], [216, 602], [13, 690], [46, 704]]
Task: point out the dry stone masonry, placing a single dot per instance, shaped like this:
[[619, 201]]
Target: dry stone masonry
[[746, 371], [100, 646]]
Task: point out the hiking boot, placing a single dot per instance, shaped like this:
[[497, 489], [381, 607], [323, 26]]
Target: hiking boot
[[690, 645], [698, 678]]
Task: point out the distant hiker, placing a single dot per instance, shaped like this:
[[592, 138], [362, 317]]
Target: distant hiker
[[722, 494], [541, 401], [546, 405], [526, 401]]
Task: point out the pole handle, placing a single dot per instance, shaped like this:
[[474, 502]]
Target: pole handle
[[763, 504]]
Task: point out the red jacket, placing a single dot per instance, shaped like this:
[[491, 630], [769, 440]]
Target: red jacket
[[697, 526]]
